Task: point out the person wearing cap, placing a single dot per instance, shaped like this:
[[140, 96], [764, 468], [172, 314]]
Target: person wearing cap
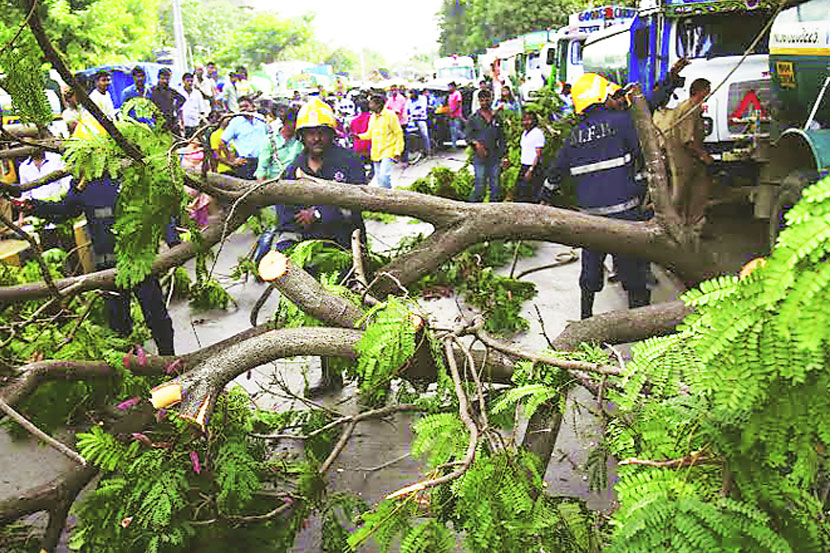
[[320, 157], [600, 156], [247, 134], [100, 95], [138, 89], [387, 140]]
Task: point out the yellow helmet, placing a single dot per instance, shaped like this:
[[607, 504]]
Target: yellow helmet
[[591, 89], [316, 113]]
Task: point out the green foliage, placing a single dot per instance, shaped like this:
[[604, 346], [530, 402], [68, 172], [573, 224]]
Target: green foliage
[[104, 450], [470, 26], [150, 193], [446, 183], [93, 32], [384, 523], [429, 537], [19, 537], [741, 385], [386, 345], [157, 496], [236, 475], [379, 216], [443, 436], [23, 78], [238, 37], [207, 295], [342, 508], [471, 272]]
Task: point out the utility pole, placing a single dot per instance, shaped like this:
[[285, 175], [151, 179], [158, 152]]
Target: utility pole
[[180, 57]]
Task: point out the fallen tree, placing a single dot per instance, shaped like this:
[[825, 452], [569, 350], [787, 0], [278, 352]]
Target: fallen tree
[[183, 458]]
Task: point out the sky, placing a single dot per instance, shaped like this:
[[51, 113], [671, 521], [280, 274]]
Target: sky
[[396, 28]]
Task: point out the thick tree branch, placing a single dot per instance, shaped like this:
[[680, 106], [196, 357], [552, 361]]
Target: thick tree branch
[[458, 225], [30, 376], [624, 326], [54, 58], [304, 290], [201, 386], [106, 279]]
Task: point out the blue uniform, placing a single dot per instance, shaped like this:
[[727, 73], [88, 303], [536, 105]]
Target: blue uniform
[[600, 155], [333, 223], [96, 201]]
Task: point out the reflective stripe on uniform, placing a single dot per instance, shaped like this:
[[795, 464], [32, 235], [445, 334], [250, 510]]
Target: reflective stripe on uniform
[[101, 212], [611, 209], [601, 165]]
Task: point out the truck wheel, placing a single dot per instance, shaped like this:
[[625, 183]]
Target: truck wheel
[[790, 192]]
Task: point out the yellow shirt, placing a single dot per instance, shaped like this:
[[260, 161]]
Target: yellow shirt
[[386, 135], [215, 140]]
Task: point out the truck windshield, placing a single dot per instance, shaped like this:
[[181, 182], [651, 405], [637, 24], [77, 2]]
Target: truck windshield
[[711, 36], [459, 72]]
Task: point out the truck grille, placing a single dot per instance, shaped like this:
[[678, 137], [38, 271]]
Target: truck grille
[[748, 107]]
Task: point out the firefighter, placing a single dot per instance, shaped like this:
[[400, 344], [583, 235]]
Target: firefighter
[[96, 200], [600, 155], [321, 158]]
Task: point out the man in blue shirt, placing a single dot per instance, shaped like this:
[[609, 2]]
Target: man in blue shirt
[[248, 133], [138, 89]]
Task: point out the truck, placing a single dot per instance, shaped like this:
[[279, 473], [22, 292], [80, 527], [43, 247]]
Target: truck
[[799, 64], [458, 69], [746, 131], [561, 58]]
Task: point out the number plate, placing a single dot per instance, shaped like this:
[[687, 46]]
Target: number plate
[[786, 74]]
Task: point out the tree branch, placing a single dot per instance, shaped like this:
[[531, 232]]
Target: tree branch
[[106, 279], [464, 414], [40, 434], [697, 458], [38, 253]]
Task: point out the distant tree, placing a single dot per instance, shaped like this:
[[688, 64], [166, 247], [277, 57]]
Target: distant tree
[[469, 26]]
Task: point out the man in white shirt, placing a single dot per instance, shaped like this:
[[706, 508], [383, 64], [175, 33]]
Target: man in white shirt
[[100, 96], [195, 108], [529, 179], [39, 165], [205, 82]]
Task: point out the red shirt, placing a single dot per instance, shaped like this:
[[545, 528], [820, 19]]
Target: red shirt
[[360, 124], [455, 104]]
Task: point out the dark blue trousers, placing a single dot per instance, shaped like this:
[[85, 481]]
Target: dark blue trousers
[[151, 300], [632, 271]]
